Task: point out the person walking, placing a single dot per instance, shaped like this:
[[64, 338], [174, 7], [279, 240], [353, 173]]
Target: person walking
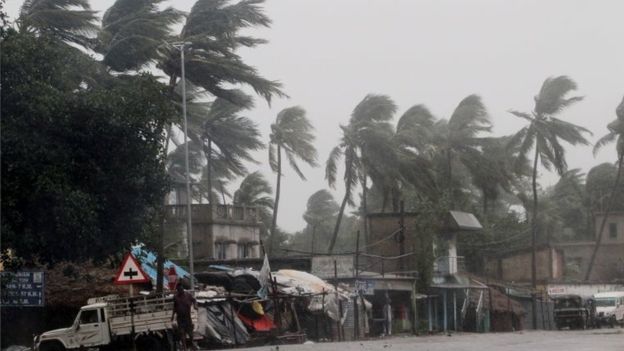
[[182, 303]]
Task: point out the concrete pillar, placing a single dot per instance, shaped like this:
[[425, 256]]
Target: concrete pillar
[[454, 310], [429, 314], [445, 320]]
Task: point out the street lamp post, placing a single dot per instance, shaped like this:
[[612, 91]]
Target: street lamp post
[[189, 197]]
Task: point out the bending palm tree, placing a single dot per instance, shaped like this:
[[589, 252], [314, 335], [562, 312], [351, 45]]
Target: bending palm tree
[[71, 21], [457, 139], [292, 133], [366, 146], [256, 192], [544, 133], [320, 207], [616, 133]]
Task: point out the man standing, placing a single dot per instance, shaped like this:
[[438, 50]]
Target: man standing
[[182, 302]]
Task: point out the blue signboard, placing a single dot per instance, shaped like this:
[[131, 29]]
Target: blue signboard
[[22, 289]]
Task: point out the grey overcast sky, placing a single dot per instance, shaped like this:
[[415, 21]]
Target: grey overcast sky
[[330, 53]]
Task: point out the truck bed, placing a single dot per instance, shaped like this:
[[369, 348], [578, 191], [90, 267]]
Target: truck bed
[[151, 313]]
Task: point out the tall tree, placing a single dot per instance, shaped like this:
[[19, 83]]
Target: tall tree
[[458, 140], [255, 191], [71, 21], [135, 34], [292, 133], [544, 134], [616, 134], [321, 207], [61, 195], [366, 146]]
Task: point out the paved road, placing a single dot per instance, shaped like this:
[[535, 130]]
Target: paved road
[[594, 340]]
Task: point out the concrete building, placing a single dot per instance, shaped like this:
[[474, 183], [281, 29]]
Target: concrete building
[[515, 266], [220, 232]]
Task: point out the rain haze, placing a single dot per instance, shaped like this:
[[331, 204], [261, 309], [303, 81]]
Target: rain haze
[[330, 53]]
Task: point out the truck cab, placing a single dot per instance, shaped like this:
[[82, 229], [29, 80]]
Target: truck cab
[[90, 329], [610, 307]]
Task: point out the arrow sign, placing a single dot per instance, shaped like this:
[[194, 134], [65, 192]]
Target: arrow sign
[[130, 272]]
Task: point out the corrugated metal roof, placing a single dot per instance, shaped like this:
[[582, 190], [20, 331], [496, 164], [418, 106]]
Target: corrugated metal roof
[[464, 221], [148, 264]]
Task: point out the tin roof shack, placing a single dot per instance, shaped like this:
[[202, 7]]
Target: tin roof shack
[[450, 285], [514, 266], [220, 232], [388, 250]]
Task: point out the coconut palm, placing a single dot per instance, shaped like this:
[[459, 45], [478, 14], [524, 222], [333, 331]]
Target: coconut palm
[[457, 140], [133, 32], [291, 133], [255, 191], [494, 173], [367, 149], [413, 141], [321, 207], [616, 134], [71, 21], [545, 133]]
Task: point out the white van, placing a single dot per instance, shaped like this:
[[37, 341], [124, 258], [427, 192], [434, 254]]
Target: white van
[[610, 307]]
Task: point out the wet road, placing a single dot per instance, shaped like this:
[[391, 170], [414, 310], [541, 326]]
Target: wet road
[[566, 340]]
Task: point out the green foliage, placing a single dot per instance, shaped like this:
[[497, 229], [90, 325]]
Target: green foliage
[[82, 173], [599, 187], [133, 33], [292, 132], [71, 21]]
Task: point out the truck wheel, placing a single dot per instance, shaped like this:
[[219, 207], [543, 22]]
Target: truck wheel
[[51, 346], [150, 343]]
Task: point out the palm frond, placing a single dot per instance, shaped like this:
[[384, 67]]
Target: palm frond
[[373, 108], [520, 114], [293, 132], [133, 33], [69, 20], [552, 96], [470, 117], [331, 166]]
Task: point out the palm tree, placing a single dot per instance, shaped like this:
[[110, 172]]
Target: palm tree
[[457, 140], [71, 21], [292, 133], [413, 141], [321, 206], [227, 138], [544, 133], [494, 173], [616, 134], [366, 146], [133, 32], [255, 191]]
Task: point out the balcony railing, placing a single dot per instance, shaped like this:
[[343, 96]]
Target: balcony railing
[[445, 265], [208, 213]]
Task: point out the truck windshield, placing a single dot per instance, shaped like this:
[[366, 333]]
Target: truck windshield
[[568, 302], [605, 302]]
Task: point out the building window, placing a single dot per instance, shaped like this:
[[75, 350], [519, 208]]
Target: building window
[[613, 230], [244, 250], [220, 251]]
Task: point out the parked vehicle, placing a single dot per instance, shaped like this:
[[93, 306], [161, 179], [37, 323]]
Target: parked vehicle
[[574, 311], [110, 322], [610, 308]]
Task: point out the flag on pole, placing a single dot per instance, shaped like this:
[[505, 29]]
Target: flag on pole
[[264, 278]]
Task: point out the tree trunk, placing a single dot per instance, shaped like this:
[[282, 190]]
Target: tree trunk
[[365, 205], [604, 218], [534, 236], [332, 243], [277, 196], [160, 254], [209, 171], [313, 237]]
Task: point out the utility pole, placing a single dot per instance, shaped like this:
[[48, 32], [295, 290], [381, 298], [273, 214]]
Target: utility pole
[[189, 195]]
